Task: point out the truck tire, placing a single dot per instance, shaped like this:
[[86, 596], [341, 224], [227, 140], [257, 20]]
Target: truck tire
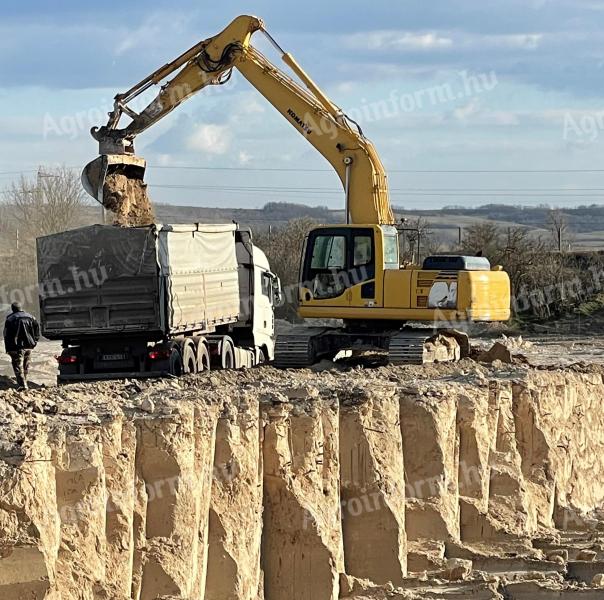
[[262, 356], [176, 364], [203, 356], [228, 354], [189, 357]]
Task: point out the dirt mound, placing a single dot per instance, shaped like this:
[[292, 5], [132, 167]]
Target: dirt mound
[[129, 200]]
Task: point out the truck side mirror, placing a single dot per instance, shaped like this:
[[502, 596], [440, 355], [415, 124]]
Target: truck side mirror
[[277, 292]]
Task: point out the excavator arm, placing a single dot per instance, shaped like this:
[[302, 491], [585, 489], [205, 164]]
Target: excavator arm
[[307, 109]]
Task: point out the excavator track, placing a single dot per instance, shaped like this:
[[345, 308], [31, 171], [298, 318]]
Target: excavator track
[[296, 349], [422, 346], [303, 347], [407, 347]]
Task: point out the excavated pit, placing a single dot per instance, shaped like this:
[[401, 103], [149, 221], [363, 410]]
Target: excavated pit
[[447, 481], [128, 199]]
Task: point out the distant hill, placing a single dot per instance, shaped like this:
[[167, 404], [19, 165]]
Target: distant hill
[[586, 223], [581, 219], [271, 214]]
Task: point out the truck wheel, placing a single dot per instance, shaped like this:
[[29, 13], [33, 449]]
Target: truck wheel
[[228, 355], [189, 357], [176, 365], [261, 356], [203, 358]]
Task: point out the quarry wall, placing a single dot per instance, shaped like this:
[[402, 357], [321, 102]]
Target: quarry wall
[[286, 485]]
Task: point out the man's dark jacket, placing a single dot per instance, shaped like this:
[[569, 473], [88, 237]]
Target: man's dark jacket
[[21, 332]]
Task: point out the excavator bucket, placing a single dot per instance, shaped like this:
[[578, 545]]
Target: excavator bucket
[[95, 173]]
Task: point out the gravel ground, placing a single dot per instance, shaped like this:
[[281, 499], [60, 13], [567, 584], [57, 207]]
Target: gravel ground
[[43, 370], [552, 349]]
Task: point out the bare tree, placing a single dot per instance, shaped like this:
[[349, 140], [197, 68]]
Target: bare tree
[[283, 248], [4, 218], [51, 202], [48, 203], [521, 255], [558, 224], [483, 239], [419, 241]]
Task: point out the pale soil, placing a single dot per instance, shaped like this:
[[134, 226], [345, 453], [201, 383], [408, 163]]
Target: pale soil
[[541, 350], [315, 474], [128, 200], [43, 369], [444, 481]]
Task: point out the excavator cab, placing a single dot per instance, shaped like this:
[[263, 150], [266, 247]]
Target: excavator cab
[[343, 264]]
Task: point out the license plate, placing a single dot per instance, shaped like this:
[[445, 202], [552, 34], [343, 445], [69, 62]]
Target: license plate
[[114, 357]]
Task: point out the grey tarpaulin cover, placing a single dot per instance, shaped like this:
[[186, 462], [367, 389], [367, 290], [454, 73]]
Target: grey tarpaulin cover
[[159, 279]]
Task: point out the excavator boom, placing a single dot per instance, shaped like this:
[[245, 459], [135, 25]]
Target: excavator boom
[[303, 104]]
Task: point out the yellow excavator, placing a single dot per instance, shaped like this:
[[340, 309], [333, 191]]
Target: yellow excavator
[[350, 272]]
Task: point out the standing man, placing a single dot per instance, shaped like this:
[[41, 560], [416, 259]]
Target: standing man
[[21, 335]]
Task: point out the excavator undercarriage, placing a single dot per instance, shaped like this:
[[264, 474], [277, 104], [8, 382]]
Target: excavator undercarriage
[[305, 346]]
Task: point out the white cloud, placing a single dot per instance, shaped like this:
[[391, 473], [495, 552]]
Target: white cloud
[[250, 105], [345, 87], [438, 40], [473, 113], [164, 160], [520, 41], [245, 157], [213, 139], [399, 40], [155, 26], [464, 113]]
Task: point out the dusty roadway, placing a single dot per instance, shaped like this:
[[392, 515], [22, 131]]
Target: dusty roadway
[[43, 370], [540, 350], [554, 349]]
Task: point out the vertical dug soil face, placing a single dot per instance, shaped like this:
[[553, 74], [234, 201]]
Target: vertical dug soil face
[[431, 456], [372, 486], [302, 551], [267, 485], [236, 504], [129, 201]]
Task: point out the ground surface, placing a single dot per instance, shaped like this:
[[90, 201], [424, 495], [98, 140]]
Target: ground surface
[[580, 343], [43, 370]]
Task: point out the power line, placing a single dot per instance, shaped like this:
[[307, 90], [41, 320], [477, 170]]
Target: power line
[[296, 170], [395, 192], [256, 169], [498, 171], [520, 192], [304, 170], [337, 190]]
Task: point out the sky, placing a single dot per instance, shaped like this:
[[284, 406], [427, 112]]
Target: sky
[[468, 102]]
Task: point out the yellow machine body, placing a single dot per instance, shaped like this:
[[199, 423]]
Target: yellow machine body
[[374, 286]]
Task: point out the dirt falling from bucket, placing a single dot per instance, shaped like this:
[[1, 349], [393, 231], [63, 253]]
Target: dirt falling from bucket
[[128, 200]]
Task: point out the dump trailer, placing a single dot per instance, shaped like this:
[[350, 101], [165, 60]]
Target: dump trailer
[[154, 301]]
